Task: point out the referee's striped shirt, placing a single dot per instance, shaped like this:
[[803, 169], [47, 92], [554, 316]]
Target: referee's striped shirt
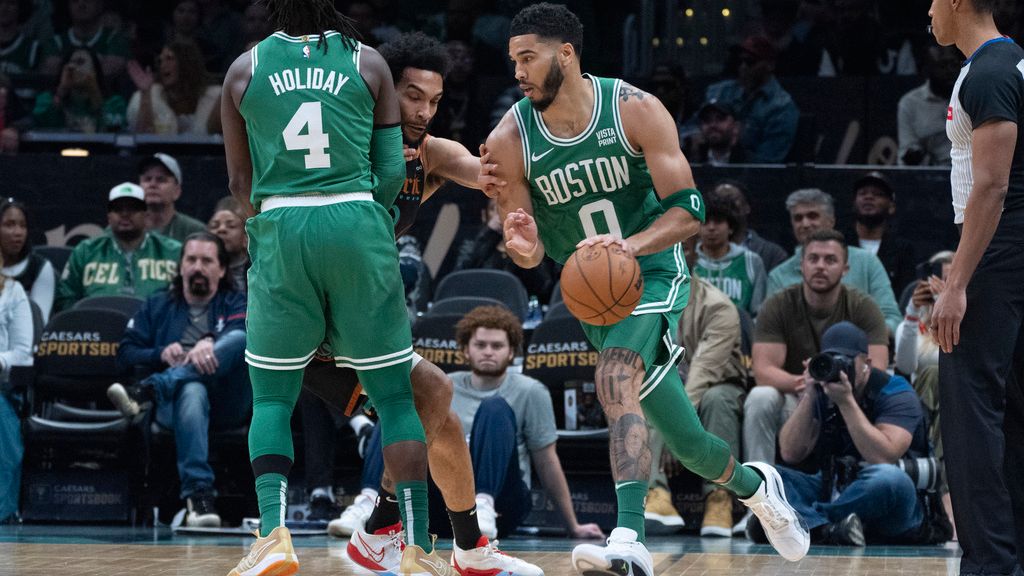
[[990, 87]]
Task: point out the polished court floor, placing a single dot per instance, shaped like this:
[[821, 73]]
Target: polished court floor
[[113, 551]]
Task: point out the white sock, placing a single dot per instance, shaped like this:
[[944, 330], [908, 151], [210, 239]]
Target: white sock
[[357, 422], [371, 494]]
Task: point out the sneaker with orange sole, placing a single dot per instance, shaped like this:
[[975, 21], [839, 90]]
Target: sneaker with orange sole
[[270, 556]]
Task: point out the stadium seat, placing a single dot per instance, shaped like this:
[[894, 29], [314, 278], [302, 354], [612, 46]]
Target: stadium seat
[[127, 305], [433, 337], [57, 255], [559, 354], [72, 434], [461, 305], [37, 324], [559, 310], [556, 295], [498, 284]]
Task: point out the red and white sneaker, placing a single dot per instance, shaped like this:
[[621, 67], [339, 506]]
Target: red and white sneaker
[[380, 552], [487, 560]]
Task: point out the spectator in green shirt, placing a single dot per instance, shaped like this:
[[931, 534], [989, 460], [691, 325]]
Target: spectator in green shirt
[[811, 210], [160, 178], [124, 260], [80, 102], [87, 31]]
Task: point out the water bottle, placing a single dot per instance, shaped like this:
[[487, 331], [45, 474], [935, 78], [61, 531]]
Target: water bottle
[[533, 314]]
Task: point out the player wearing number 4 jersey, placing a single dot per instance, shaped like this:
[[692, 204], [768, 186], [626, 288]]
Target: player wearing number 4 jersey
[[589, 160], [312, 137]]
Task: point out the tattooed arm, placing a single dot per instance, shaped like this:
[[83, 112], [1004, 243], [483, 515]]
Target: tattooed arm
[[650, 129], [619, 375]]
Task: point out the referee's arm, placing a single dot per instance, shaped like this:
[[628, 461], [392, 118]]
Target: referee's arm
[[993, 147]]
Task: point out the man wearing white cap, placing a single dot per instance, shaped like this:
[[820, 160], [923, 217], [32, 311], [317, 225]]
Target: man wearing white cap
[[125, 260], [160, 178]]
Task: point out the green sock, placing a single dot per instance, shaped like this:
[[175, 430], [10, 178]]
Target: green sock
[[630, 495], [412, 502], [272, 493], [744, 481]]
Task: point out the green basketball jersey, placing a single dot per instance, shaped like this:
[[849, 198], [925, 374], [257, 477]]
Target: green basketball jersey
[[740, 275], [594, 183], [19, 55], [309, 115]]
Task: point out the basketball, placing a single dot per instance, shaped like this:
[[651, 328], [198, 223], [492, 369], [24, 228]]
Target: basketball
[[601, 285]]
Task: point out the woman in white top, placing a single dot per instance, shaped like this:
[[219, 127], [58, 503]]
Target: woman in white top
[[917, 352], [15, 350], [179, 99], [35, 273]]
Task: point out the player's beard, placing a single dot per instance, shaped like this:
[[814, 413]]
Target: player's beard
[[552, 83]]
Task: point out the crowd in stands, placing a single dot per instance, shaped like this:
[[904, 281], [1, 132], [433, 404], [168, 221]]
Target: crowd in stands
[[757, 313]]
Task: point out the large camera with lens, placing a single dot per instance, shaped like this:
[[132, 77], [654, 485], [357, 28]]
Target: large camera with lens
[[923, 471], [827, 366]]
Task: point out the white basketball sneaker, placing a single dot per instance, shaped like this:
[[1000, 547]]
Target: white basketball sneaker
[[353, 518], [783, 526], [622, 556], [380, 552], [487, 559]]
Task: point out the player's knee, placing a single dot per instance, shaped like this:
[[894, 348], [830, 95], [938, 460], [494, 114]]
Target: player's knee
[[432, 389]]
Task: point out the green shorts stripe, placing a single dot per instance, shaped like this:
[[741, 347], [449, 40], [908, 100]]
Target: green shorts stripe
[[655, 376], [278, 363], [675, 286], [376, 361]]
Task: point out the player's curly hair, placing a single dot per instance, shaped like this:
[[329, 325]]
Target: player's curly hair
[[297, 17], [414, 50], [552, 21], [493, 317]]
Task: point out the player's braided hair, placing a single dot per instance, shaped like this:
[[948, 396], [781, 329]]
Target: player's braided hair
[[551, 21], [414, 50], [297, 17]]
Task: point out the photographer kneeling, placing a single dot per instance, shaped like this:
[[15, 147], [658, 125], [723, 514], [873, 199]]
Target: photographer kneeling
[[851, 429]]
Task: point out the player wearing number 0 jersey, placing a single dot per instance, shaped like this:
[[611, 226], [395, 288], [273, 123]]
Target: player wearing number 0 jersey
[[312, 137], [592, 160]]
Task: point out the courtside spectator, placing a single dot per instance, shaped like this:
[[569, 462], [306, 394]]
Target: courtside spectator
[[82, 100], [510, 422], [32, 271], [767, 111], [810, 211], [125, 259], [228, 223], [874, 204], [161, 179], [788, 333], [15, 350], [179, 98], [731, 268], [922, 111], [87, 31], [736, 193], [191, 337]]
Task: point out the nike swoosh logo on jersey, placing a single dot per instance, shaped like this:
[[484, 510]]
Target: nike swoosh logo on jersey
[[375, 555], [536, 157]]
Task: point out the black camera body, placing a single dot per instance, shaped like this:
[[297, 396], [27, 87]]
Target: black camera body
[[827, 366]]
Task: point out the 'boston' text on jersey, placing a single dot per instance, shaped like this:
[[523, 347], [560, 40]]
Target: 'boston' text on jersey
[[577, 178]]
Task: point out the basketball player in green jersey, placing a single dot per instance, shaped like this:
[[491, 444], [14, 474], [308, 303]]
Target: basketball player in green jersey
[[314, 148], [592, 160]]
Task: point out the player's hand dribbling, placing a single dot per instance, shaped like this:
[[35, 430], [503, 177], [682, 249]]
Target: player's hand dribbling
[[607, 240], [950, 306], [520, 232], [490, 184]]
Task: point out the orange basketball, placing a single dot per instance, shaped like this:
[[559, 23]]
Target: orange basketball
[[601, 285]]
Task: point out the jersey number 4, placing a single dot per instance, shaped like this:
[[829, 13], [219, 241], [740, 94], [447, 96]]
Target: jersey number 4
[[315, 140]]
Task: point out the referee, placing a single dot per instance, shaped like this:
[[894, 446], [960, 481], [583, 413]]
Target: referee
[[979, 314]]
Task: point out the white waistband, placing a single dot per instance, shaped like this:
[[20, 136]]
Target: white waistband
[[313, 200]]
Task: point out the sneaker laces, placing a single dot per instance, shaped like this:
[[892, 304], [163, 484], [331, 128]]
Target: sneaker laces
[[767, 513], [396, 539]]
